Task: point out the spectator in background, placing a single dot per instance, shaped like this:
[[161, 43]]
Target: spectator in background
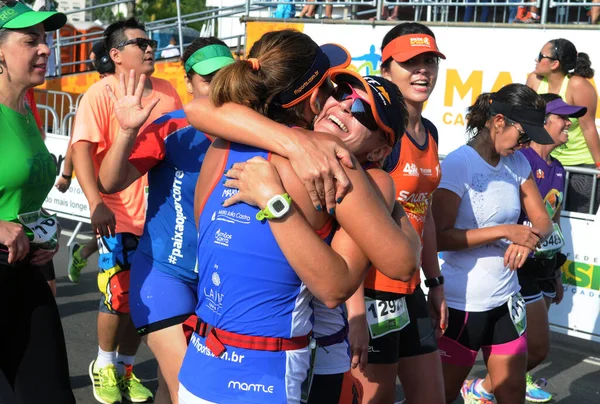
[[469, 11], [561, 70], [172, 50], [527, 17], [595, 12]]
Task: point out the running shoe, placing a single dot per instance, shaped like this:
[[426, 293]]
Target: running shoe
[[534, 392], [528, 19], [471, 396], [104, 382], [76, 262], [131, 387]]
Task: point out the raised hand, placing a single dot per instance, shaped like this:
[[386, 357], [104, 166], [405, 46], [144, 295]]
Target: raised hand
[[128, 103]]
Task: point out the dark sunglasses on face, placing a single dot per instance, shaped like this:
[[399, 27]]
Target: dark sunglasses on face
[[142, 43], [360, 109], [523, 137], [542, 56]]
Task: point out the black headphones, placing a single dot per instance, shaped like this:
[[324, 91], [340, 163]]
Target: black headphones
[[104, 65]]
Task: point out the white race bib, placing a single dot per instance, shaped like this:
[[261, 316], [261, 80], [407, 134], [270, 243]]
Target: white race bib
[[518, 313], [552, 244], [41, 229], [386, 316]]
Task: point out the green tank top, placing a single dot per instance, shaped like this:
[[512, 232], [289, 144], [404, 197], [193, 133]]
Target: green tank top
[[575, 151], [27, 170]]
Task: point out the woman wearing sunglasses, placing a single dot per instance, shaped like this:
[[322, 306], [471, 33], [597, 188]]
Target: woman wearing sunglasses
[[406, 349], [255, 273], [541, 276], [560, 69], [33, 356], [162, 291], [485, 186], [358, 112]]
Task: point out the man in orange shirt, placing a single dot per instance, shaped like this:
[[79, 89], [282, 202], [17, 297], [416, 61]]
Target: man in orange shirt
[[118, 219]]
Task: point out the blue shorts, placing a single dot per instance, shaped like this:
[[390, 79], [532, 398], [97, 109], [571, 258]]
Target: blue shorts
[[158, 299], [115, 255]]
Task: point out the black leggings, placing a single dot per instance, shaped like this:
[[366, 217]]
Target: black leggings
[[33, 355]]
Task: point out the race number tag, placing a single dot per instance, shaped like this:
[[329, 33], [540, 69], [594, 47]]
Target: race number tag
[[551, 245], [41, 229], [516, 307], [386, 316]]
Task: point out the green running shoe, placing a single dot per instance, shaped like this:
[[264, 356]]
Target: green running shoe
[[104, 382], [76, 263], [131, 387]]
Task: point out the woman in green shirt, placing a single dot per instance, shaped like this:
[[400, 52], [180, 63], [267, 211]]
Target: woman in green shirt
[[33, 355], [561, 70]]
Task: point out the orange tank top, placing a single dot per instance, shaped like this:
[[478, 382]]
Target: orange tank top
[[416, 172]]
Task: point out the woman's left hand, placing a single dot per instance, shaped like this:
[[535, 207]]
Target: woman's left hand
[[515, 256], [257, 181], [41, 257], [560, 291]]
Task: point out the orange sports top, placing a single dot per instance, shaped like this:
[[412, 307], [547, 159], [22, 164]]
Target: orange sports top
[[416, 172]]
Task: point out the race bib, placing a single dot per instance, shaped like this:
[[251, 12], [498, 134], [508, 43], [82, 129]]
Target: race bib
[[551, 245], [41, 229], [386, 316], [517, 311]]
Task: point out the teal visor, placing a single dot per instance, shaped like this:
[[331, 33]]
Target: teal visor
[[209, 59]]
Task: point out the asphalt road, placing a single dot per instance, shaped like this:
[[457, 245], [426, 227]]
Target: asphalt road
[[572, 368]]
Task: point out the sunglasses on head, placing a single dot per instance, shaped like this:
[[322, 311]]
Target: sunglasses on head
[[523, 137], [360, 109], [142, 43]]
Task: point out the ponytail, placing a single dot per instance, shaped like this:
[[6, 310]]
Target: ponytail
[[583, 66], [478, 114]]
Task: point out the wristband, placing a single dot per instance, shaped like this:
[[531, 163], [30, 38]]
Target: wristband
[[66, 177], [434, 282]]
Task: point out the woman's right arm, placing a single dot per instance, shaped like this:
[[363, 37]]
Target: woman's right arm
[[13, 236], [116, 172], [445, 210], [315, 158]]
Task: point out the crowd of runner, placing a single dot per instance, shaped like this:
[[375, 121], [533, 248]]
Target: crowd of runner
[[268, 241]]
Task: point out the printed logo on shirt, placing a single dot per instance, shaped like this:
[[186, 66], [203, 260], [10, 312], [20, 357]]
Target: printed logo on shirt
[[559, 175], [214, 299], [229, 356], [539, 174], [222, 238], [228, 193], [437, 170], [176, 251], [426, 171], [411, 170], [253, 387], [231, 216]]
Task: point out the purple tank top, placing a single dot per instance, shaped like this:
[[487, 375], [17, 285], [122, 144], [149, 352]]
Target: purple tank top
[[550, 180]]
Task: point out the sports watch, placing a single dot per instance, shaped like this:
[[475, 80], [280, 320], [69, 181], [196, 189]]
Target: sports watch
[[433, 282], [276, 207]]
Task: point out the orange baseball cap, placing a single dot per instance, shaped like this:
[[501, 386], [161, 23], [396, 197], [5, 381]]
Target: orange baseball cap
[[408, 46]]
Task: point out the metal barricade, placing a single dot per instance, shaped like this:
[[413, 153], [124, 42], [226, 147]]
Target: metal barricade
[[585, 171], [67, 124], [60, 101], [49, 125]]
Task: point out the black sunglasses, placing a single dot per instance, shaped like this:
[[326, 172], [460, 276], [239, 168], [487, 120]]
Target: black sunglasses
[[542, 56], [523, 137], [142, 43], [360, 109]]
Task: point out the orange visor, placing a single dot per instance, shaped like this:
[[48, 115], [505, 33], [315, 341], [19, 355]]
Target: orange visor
[[406, 47]]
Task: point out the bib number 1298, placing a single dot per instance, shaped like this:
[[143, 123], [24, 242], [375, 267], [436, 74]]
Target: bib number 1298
[[386, 316]]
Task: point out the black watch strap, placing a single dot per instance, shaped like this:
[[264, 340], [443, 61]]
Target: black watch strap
[[433, 282], [67, 177]]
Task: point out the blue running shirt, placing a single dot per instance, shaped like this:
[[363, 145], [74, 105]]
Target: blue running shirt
[[246, 286], [172, 152]]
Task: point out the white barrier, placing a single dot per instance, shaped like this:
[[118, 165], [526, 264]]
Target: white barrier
[[72, 204]]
